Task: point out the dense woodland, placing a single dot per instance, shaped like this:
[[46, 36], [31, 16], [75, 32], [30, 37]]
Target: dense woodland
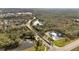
[[59, 19]]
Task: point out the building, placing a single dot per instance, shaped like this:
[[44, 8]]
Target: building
[[24, 13], [77, 20], [55, 35], [29, 13], [37, 22], [34, 17]]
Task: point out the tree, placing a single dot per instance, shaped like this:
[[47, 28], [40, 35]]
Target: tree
[[39, 46], [27, 35], [6, 42]]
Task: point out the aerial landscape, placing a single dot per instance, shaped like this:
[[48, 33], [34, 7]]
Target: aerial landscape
[[39, 29]]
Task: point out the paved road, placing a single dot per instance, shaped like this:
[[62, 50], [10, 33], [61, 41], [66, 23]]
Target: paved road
[[65, 48], [68, 47], [36, 34]]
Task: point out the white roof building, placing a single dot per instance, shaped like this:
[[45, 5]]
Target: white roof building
[[6, 21], [55, 35], [34, 17], [35, 23], [29, 13], [77, 20]]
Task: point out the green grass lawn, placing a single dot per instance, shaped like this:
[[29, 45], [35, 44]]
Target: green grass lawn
[[61, 42]]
